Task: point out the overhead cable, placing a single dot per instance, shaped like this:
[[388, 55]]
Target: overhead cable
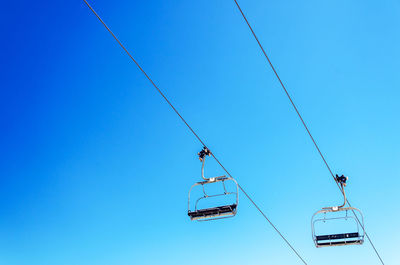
[[302, 120], [191, 129]]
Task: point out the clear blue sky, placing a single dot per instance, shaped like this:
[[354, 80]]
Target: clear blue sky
[[95, 167]]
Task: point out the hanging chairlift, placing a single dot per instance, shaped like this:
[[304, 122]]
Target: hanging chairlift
[[218, 212], [333, 215]]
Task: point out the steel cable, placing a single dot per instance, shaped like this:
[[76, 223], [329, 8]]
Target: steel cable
[[302, 120], [190, 128]]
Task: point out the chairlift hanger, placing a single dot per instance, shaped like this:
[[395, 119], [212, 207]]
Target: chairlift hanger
[[341, 239], [218, 212]]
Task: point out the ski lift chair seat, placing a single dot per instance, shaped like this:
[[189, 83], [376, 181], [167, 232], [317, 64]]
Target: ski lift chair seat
[[339, 239], [214, 212]]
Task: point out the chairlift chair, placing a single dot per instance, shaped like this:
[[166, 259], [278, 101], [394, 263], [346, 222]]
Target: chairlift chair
[[335, 214], [217, 212]]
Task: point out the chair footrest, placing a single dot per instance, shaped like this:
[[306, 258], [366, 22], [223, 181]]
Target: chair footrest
[[340, 243]]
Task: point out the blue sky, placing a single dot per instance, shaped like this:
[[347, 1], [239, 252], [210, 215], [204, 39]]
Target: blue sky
[[95, 167]]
